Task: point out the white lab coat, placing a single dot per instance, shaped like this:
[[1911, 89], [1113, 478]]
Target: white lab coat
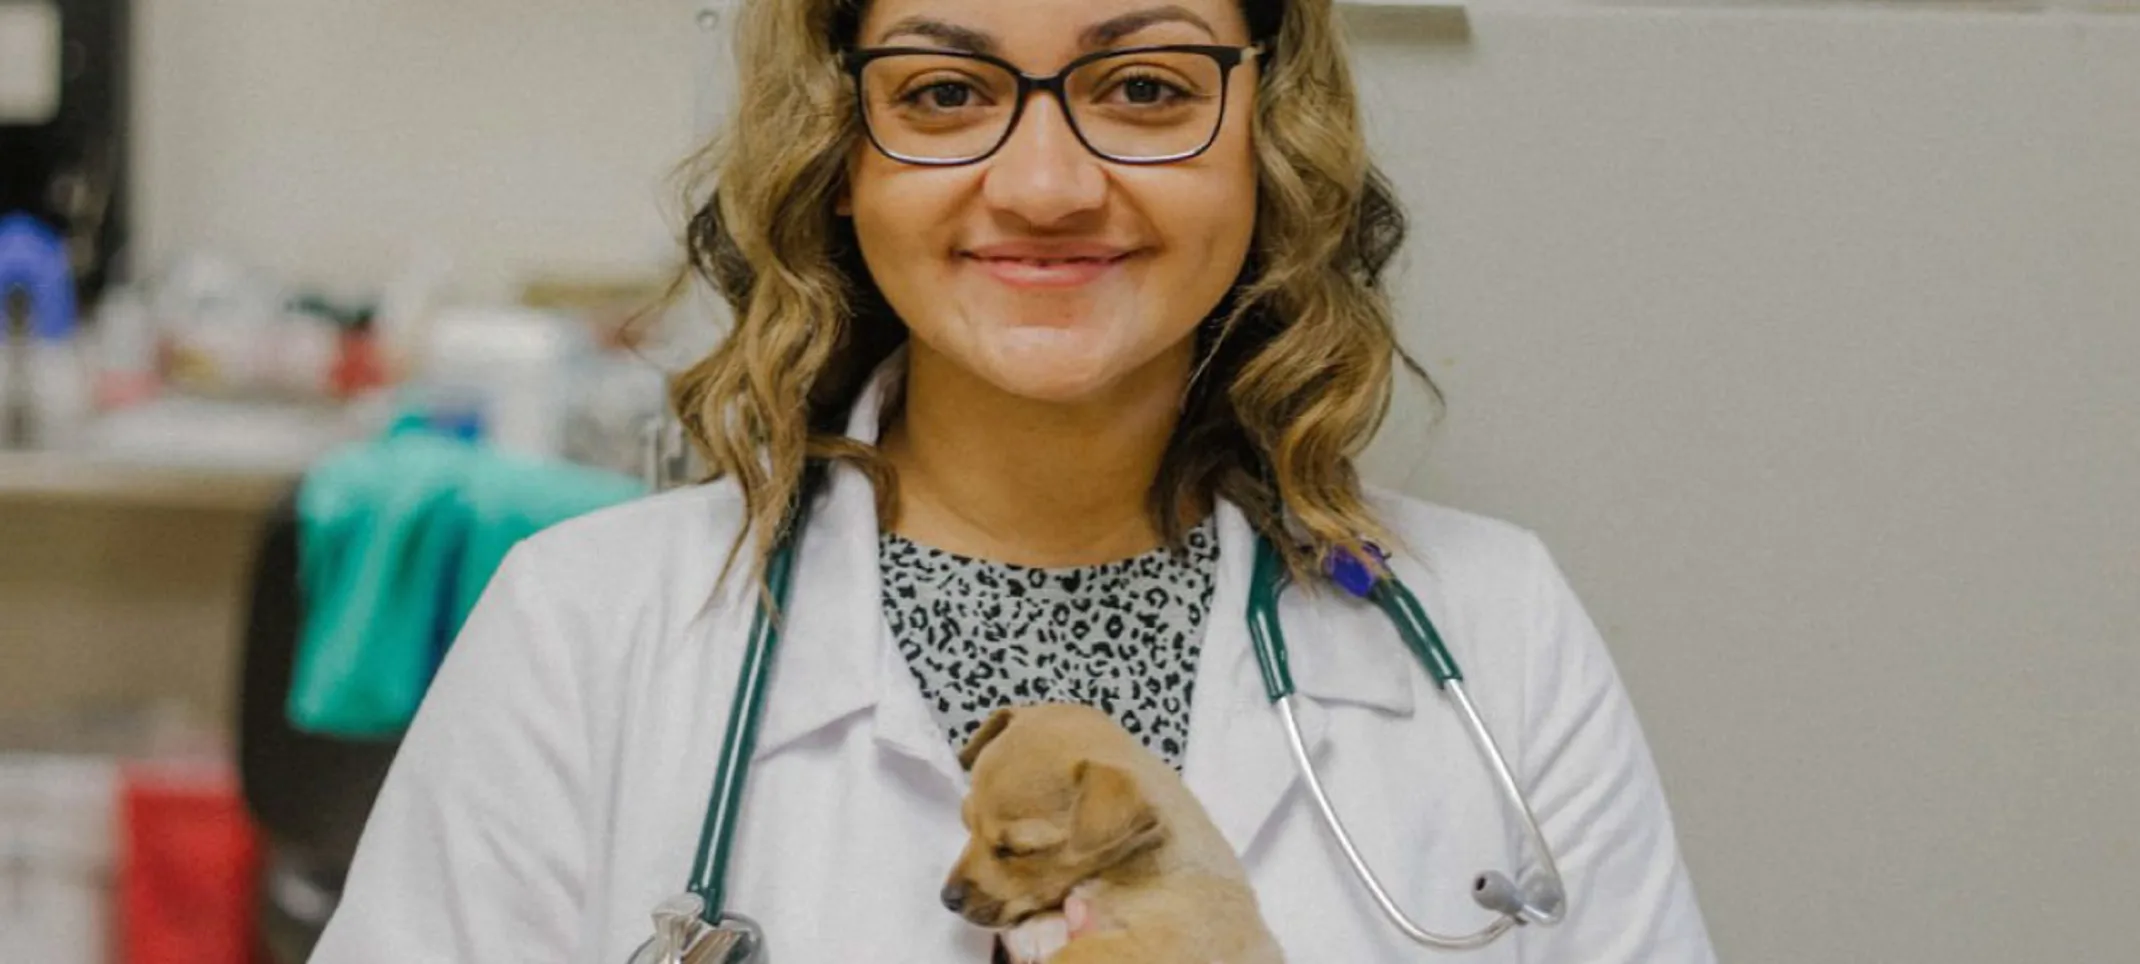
[[551, 789]]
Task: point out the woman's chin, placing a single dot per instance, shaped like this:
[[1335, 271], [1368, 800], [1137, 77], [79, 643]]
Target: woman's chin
[[1053, 365], [1052, 387]]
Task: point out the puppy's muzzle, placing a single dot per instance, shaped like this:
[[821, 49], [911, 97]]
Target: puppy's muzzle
[[954, 896]]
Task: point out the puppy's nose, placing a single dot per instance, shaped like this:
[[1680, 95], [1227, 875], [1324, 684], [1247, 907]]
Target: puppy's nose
[[954, 896]]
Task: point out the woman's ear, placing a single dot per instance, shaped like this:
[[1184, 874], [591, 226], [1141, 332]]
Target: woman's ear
[[993, 727], [1114, 821]]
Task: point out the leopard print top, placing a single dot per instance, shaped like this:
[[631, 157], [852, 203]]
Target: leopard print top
[[1121, 636]]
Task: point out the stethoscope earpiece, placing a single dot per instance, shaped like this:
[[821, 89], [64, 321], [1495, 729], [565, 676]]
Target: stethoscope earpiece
[[1538, 902]]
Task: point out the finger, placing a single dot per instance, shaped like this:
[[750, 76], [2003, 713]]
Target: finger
[[1077, 914]]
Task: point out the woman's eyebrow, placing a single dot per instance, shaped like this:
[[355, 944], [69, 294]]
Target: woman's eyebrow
[[949, 34], [1103, 34], [1110, 31]]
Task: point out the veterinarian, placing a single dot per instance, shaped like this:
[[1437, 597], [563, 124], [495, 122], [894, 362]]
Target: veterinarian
[[1041, 361]]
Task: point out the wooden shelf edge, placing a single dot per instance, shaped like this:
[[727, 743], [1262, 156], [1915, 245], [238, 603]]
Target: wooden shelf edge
[[76, 479]]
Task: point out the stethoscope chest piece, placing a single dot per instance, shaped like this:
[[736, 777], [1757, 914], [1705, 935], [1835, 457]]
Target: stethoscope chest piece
[[682, 936]]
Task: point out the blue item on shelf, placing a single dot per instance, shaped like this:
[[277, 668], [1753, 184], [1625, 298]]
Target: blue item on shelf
[[33, 257]]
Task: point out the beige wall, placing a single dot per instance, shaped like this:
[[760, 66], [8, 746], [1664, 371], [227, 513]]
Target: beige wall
[[1810, 339], [327, 140]]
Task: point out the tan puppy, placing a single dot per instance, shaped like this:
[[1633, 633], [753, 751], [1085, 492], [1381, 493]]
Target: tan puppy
[[1064, 800]]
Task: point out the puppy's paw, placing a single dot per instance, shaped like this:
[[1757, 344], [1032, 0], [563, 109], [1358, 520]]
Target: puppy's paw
[[1037, 939]]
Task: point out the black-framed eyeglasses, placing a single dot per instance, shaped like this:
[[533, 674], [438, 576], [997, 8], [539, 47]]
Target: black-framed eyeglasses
[[1139, 105]]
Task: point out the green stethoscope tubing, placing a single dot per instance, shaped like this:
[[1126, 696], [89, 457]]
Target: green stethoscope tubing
[[1539, 900], [1389, 595], [709, 873]]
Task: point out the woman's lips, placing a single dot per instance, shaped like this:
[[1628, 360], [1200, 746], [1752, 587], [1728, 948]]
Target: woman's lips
[[1065, 267], [1035, 273]]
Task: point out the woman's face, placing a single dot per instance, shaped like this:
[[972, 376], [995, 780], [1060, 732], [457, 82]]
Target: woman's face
[[1044, 270]]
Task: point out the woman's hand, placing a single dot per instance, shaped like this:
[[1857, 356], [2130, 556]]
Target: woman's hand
[[1079, 917]]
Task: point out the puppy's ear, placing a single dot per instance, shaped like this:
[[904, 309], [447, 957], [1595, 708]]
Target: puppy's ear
[[992, 728], [1114, 821]]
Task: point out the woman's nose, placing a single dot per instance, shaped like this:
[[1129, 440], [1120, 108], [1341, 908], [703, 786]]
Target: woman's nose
[[1043, 174]]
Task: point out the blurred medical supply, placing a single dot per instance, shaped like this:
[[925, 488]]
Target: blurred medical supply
[[188, 864], [44, 385], [213, 362], [56, 843], [511, 371], [122, 839]]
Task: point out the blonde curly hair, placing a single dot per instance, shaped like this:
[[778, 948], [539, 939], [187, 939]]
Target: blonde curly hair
[[1295, 370]]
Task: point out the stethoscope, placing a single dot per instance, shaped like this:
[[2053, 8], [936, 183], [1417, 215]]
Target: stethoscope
[[695, 928]]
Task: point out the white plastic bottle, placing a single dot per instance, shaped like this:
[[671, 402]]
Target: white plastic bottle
[[60, 395]]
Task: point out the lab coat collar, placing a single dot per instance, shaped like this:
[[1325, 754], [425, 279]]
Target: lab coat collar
[[831, 661], [838, 658]]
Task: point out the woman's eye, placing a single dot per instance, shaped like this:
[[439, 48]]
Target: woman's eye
[[1147, 92], [1144, 90], [942, 95]]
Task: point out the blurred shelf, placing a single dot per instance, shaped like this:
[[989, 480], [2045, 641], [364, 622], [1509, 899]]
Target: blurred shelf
[[68, 478]]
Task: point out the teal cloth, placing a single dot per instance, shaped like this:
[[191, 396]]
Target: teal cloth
[[397, 539]]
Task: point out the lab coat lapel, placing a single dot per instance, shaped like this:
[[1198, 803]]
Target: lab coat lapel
[[838, 658], [829, 664], [1239, 764]]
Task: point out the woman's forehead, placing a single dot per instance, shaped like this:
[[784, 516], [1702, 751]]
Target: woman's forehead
[[1050, 27]]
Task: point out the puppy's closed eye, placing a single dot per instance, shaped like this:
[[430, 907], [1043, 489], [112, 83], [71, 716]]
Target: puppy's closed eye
[[1028, 838]]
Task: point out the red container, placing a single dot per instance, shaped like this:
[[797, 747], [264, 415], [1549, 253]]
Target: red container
[[189, 867]]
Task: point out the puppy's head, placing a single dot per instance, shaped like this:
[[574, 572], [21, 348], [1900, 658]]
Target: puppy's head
[[1045, 813]]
